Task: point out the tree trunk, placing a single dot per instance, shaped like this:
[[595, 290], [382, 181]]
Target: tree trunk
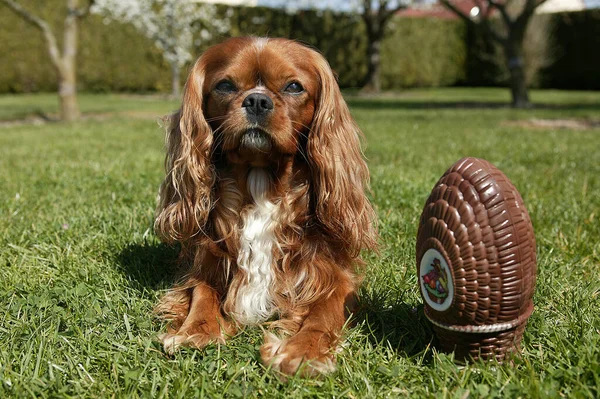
[[67, 69], [175, 80], [65, 64], [373, 77], [67, 92], [518, 82], [512, 41]]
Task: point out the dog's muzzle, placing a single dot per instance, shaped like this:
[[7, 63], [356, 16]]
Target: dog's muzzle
[[257, 140]]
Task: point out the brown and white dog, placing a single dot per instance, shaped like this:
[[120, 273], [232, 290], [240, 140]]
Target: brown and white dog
[[265, 192]]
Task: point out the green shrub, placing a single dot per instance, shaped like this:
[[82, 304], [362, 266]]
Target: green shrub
[[560, 52], [338, 36], [258, 21], [111, 56], [423, 52], [416, 52], [485, 65], [575, 41], [24, 61], [486, 62], [341, 39], [115, 57]]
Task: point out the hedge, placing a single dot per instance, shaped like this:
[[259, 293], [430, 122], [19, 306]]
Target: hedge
[[576, 44], [423, 52], [416, 52], [338, 36], [111, 56], [115, 57]]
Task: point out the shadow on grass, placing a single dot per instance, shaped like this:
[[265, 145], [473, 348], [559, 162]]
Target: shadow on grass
[[152, 266], [401, 326], [35, 117], [374, 103]]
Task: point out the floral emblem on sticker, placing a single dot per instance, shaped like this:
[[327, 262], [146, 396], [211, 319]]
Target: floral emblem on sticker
[[435, 278], [436, 282]]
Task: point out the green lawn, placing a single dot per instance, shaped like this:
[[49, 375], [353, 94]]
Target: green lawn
[[80, 268]]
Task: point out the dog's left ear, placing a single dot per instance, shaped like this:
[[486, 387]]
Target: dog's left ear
[[340, 176]]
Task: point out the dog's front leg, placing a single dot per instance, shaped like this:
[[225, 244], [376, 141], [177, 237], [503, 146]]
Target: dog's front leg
[[203, 324], [311, 350]]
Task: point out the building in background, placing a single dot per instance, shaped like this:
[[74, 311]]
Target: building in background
[[470, 7], [552, 6], [245, 3], [437, 10]]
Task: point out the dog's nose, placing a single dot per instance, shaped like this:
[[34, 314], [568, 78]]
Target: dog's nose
[[257, 106]]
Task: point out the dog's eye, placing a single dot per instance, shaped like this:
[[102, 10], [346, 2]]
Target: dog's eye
[[226, 86], [294, 88]]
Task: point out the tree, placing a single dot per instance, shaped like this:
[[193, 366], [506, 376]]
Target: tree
[[514, 19], [376, 15], [63, 61], [173, 25]]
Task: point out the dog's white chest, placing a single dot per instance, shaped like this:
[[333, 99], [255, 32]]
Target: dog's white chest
[[254, 302]]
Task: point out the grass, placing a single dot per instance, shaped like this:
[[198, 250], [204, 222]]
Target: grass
[[80, 268]]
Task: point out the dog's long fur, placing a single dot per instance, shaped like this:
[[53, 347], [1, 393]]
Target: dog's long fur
[[263, 233]]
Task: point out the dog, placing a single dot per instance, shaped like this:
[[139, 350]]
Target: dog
[[265, 192]]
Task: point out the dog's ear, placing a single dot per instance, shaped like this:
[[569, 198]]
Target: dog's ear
[[340, 176], [185, 195]]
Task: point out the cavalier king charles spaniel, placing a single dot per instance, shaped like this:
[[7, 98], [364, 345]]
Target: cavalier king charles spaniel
[[265, 193]]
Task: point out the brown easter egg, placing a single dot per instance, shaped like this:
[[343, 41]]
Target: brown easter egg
[[476, 261]]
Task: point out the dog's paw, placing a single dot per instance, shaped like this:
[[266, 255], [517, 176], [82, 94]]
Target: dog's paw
[[309, 353], [197, 335], [172, 342]]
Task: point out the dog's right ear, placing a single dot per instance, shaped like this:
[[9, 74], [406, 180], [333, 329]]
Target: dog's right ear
[[185, 195]]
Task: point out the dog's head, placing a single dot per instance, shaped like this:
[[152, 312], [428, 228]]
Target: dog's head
[[259, 97], [253, 101]]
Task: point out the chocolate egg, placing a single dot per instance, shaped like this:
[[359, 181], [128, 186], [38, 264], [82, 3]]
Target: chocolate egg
[[476, 261]]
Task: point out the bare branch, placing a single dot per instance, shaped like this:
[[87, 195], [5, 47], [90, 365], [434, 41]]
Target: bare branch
[[26, 15], [494, 35], [41, 25], [502, 8], [528, 10], [401, 6], [481, 5], [458, 12], [84, 11], [531, 5], [483, 22], [389, 13]]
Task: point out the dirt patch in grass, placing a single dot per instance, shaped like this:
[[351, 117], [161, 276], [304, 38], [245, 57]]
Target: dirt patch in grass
[[572, 124], [20, 122], [42, 119]]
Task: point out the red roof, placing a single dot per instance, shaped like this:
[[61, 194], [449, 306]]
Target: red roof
[[438, 10]]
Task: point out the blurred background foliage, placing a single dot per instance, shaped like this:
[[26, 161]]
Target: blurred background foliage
[[561, 51]]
